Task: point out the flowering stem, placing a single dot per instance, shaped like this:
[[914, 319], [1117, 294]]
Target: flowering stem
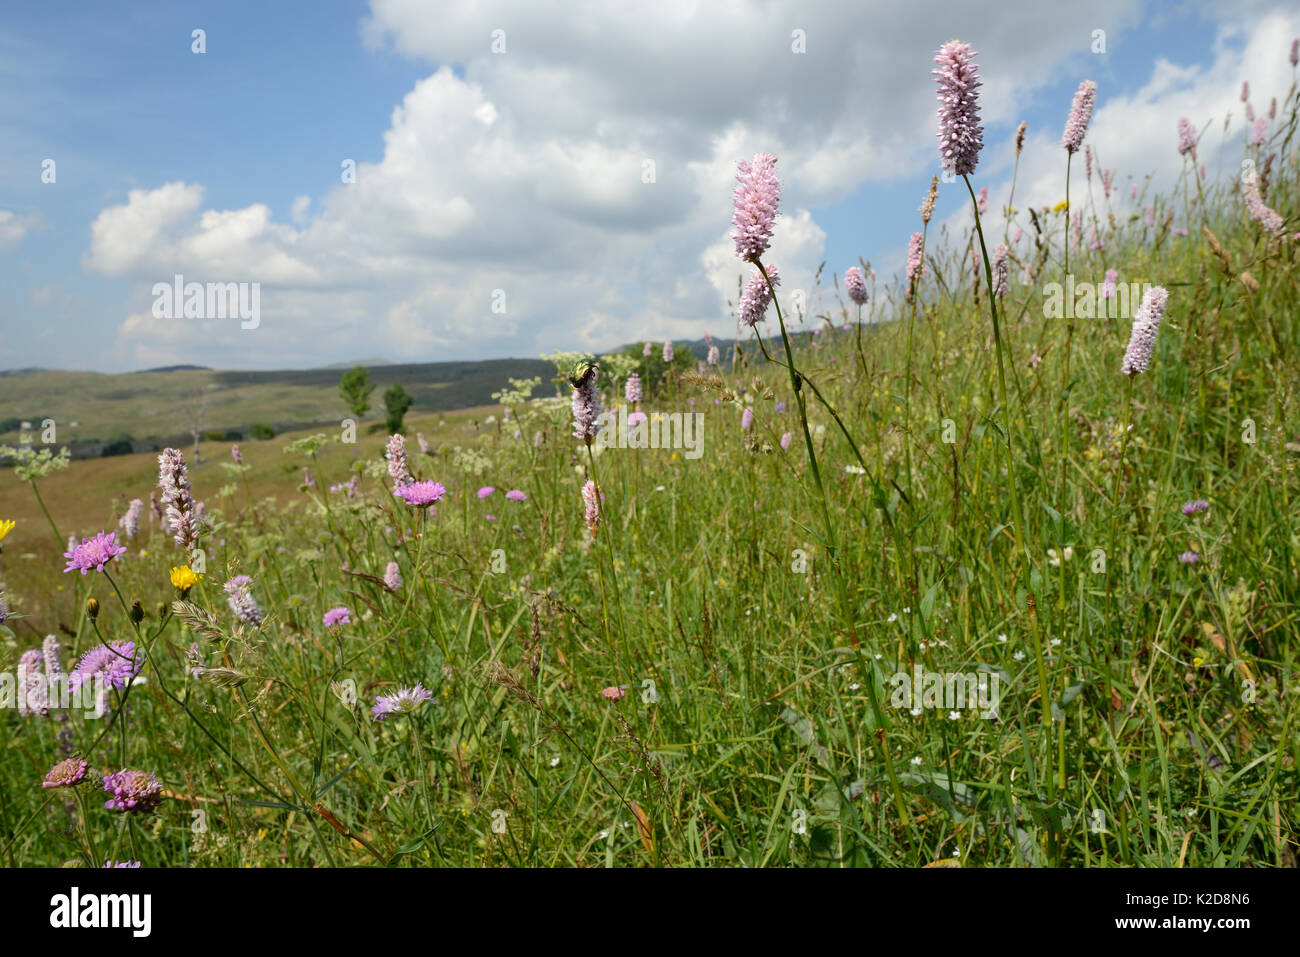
[[41, 502], [1069, 342]]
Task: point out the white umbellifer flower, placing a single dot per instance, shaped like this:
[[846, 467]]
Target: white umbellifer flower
[[954, 715], [1054, 642], [1019, 656], [1002, 637], [917, 760], [555, 761], [855, 686], [892, 618], [915, 712]]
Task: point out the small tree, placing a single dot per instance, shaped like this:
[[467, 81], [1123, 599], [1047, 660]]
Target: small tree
[[396, 402], [355, 388]]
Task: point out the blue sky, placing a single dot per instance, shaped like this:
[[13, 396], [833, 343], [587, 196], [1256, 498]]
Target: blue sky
[[516, 170]]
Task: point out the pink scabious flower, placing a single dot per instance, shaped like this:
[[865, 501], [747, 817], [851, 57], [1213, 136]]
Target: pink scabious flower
[[515, 495], [586, 404], [1259, 131], [591, 499], [395, 452], [632, 388], [111, 666], [786, 438], [33, 691], [1080, 113], [855, 285], [67, 773], [1195, 506], [130, 523], [237, 455], [93, 553], [961, 136], [1260, 213], [635, 418], [485, 491], [421, 494], [393, 576], [337, 617], [402, 701], [174, 484], [757, 296], [1186, 137], [747, 418], [239, 595], [1000, 270], [1108, 284], [712, 358], [1137, 357], [133, 792], [613, 693], [755, 201], [1189, 558]]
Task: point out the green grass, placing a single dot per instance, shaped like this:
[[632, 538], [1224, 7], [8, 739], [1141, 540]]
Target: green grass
[[770, 738]]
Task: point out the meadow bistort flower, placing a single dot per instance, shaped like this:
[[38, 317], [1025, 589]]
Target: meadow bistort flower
[[239, 595], [712, 358], [51, 655], [757, 296], [133, 792], [402, 701], [130, 523], [393, 576], [591, 499], [755, 202], [112, 666], [174, 484], [1195, 506], [93, 553], [1260, 213], [1259, 131], [1145, 326], [668, 351], [33, 691], [1108, 283], [1186, 137], [1000, 271], [1080, 113], [237, 455], [421, 494], [336, 617], [961, 136], [395, 453], [747, 418], [586, 403], [632, 388], [915, 259], [855, 285], [66, 773]]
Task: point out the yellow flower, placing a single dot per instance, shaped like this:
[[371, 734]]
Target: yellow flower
[[183, 578], [6, 527], [1061, 207]]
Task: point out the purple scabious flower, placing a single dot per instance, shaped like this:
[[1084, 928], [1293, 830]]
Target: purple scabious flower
[[591, 500], [1137, 357], [1108, 284], [93, 553], [133, 792], [393, 576], [111, 666], [130, 523], [757, 296], [779, 408], [239, 595], [915, 258], [586, 403], [1189, 558], [1195, 506], [66, 774], [515, 495], [747, 418], [237, 455], [421, 494], [1186, 137], [336, 617], [1258, 211], [632, 388], [961, 136], [395, 452], [1080, 113], [635, 418], [755, 201], [402, 701], [1000, 270], [668, 351], [33, 691], [174, 484], [712, 358], [485, 491], [786, 438], [855, 285]]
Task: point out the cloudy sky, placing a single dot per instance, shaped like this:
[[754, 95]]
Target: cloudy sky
[[532, 175]]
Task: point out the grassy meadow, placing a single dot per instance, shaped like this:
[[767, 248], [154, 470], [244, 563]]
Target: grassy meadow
[[709, 679]]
